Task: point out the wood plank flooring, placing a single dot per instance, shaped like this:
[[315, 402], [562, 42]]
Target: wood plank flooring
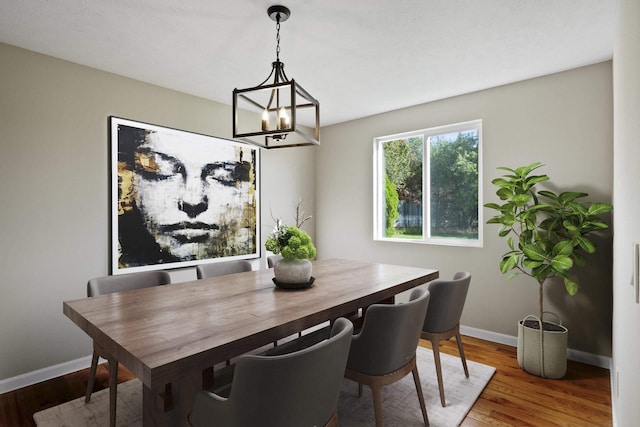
[[515, 398], [512, 397]]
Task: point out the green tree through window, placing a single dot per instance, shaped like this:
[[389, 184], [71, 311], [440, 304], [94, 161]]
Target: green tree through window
[[443, 161]]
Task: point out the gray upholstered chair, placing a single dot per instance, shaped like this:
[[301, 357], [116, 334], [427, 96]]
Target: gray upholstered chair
[[443, 318], [108, 285], [272, 259], [296, 389], [385, 349], [221, 268]]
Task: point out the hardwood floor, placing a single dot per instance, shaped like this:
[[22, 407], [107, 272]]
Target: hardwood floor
[[512, 397], [515, 398]]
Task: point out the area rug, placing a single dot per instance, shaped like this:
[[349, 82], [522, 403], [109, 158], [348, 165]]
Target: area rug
[[400, 405]]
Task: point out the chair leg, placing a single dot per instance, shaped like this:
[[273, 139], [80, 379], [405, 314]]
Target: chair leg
[[333, 421], [416, 379], [377, 403], [461, 350], [92, 377], [113, 389], [436, 356]]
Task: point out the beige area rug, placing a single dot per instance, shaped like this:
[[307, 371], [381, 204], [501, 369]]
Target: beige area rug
[[399, 401]]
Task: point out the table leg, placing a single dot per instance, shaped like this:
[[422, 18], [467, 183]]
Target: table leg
[[156, 407], [171, 406]]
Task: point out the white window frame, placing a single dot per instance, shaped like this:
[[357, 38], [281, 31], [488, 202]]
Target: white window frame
[[379, 186]]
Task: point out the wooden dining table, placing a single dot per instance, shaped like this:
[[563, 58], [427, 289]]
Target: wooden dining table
[[170, 336]]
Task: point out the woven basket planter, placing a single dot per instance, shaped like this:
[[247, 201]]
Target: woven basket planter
[[542, 352]]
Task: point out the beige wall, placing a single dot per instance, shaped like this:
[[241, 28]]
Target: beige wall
[[54, 172], [626, 320], [55, 210], [563, 120]]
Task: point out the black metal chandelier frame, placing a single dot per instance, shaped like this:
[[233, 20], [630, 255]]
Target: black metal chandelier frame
[[285, 98]]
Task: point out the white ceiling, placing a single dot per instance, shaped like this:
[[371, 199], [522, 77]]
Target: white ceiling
[[357, 57]]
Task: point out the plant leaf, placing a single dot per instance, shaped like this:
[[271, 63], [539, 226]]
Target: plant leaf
[[533, 252], [599, 208], [533, 180], [564, 247], [562, 263], [531, 264], [571, 286], [508, 263], [493, 206], [521, 199], [502, 183], [548, 194], [542, 273], [586, 245], [504, 193], [570, 196]]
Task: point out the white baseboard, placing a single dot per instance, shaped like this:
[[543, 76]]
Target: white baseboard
[[576, 355], [489, 336], [50, 372], [44, 374]]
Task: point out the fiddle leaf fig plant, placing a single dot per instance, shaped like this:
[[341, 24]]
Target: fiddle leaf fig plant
[[546, 232]]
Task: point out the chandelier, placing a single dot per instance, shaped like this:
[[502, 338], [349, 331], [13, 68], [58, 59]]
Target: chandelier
[[278, 112]]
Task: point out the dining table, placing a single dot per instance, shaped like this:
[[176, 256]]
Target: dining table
[[170, 336]]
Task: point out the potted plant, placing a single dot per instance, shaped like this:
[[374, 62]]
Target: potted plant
[[296, 249], [547, 237]]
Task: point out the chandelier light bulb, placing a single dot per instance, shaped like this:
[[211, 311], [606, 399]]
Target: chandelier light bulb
[[284, 118]]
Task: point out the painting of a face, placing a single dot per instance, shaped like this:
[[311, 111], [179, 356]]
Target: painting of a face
[[193, 196]]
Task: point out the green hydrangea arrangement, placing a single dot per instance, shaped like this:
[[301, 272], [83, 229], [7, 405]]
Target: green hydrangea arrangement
[[290, 242]]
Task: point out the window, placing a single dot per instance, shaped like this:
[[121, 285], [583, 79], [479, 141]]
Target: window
[[427, 186]]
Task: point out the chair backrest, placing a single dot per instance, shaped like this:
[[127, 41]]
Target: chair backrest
[[295, 389], [221, 268], [447, 302], [126, 282], [271, 260], [389, 335]]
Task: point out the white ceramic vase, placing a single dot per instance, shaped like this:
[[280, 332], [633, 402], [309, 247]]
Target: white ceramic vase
[[292, 271]]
